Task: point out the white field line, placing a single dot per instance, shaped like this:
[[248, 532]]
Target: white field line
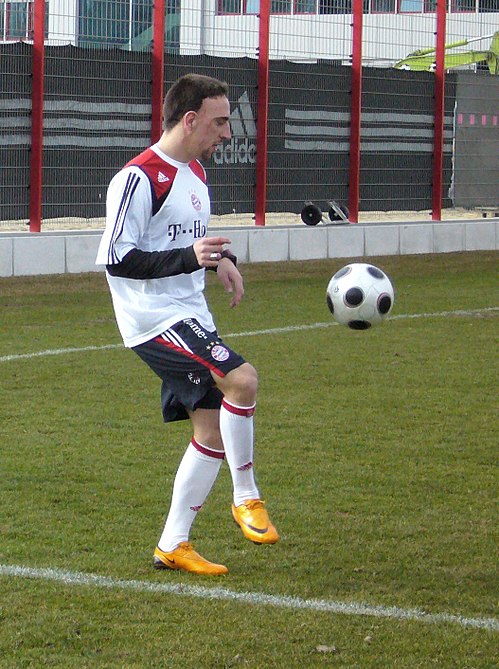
[[251, 333], [255, 598]]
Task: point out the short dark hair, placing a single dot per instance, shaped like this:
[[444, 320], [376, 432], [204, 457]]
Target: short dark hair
[[187, 94]]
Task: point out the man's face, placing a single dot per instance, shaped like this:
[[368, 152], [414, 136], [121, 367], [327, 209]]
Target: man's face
[[211, 126]]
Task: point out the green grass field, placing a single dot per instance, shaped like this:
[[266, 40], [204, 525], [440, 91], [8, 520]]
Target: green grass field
[[376, 453]]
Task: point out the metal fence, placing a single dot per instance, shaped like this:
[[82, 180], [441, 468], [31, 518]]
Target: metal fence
[[380, 105]]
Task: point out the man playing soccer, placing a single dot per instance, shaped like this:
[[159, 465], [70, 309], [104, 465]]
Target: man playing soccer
[[156, 254]]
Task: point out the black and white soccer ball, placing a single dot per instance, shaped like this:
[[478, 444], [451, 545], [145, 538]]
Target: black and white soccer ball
[[360, 296]]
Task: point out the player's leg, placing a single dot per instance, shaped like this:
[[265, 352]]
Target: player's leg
[[186, 384], [194, 480], [239, 387]]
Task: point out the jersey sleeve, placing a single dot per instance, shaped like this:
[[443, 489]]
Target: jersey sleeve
[[139, 264], [128, 210]]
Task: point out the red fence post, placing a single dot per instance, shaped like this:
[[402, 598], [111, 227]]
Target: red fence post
[[355, 113], [158, 65], [38, 63], [438, 135], [262, 112]]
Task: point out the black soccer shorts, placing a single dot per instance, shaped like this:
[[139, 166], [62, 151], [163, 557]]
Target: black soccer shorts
[[184, 356]]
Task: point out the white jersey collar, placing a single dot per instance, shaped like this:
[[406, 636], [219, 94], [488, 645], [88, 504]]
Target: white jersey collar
[[167, 158]]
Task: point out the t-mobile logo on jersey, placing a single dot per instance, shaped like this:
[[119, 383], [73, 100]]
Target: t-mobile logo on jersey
[[241, 149], [197, 229]]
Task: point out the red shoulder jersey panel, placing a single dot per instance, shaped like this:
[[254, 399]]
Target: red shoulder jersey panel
[[198, 170], [160, 174]]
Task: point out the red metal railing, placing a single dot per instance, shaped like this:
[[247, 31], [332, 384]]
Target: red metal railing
[[355, 113], [438, 137], [263, 106], [35, 193], [158, 67]]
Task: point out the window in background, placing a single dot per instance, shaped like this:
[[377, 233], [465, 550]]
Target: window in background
[[414, 6], [383, 6], [252, 7], [305, 6], [335, 6], [229, 6], [127, 23], [463, 5], [431, 5], [280, 7], [488, 6], [17, 20]]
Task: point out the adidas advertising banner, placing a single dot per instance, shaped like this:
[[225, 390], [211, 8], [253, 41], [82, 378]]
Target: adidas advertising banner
[[97, 116]]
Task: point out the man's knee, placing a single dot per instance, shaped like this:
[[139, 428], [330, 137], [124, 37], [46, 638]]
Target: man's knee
[[240, 385]]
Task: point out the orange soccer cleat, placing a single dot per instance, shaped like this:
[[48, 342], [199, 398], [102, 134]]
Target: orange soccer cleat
[[253, 519], [184, 557]]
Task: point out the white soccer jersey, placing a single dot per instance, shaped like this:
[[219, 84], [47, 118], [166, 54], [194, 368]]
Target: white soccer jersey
[[155, 204]]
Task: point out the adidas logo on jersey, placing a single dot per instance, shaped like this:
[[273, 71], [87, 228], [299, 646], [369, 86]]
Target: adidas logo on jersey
[[162, 178], [241, 149]]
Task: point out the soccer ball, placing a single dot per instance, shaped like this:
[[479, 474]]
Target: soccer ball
[[360, 295]]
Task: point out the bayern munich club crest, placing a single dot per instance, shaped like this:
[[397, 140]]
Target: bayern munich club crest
[[196, 202], [219, 353]]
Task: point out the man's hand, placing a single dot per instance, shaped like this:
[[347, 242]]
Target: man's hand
[[208, 250], [231, 280]]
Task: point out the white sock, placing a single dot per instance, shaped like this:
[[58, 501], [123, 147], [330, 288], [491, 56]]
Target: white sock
[[236, 428], [194, 479]]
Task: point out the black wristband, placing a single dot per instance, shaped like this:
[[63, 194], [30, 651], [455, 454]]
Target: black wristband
[[227, 254]]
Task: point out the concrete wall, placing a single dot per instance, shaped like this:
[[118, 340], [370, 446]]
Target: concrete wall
[[28, 254]]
